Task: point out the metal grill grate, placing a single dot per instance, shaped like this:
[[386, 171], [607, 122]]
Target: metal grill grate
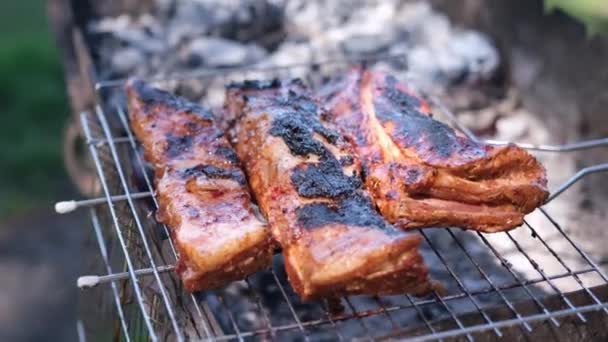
[[485, 291]]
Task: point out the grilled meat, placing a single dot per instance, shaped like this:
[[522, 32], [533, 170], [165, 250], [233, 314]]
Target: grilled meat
[[201, 189], [422, 173], [307, 183]]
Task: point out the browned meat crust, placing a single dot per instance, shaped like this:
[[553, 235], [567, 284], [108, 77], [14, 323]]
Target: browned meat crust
[[421, 173], [202, 192], [307, 183]]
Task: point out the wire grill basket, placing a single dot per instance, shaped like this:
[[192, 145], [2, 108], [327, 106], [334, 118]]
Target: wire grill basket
[[495, 283]]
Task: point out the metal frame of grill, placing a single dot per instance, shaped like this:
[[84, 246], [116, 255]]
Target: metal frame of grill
[[147, 301]]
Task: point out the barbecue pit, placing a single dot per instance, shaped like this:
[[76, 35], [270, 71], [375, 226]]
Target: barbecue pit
[[500, 285]]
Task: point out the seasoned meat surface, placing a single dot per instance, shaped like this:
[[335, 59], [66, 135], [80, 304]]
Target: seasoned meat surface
[[307, 182], [420, 172], [202, 192]]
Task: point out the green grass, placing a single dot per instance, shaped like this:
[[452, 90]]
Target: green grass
[[33, 108]]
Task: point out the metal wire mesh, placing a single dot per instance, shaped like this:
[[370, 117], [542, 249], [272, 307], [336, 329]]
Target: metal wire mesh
[[477, 269]]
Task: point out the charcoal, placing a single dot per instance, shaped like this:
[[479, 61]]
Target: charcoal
[[214, 33]]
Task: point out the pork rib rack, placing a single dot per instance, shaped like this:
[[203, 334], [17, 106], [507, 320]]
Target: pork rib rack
[[202, 191], [307, 183], [420, 172]]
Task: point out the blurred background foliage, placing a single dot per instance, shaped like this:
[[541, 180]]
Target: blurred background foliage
[[33, 107], [592, 13]]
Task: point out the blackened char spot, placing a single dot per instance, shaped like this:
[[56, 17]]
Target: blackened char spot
[[299, 101], [417, 129], [412, 175], [151, 96], [297, 134], [442, 138], [347, 160], [254, 84], [324, 179], [297, 129], [399, 97], [192, 126], [364, 170], [355, 210], [177, 145], [310, 107], [228, 154], [215, 172]]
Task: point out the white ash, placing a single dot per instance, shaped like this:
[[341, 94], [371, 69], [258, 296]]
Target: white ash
[[290, 53], [213, 33], [127, 59], [220, 52]]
